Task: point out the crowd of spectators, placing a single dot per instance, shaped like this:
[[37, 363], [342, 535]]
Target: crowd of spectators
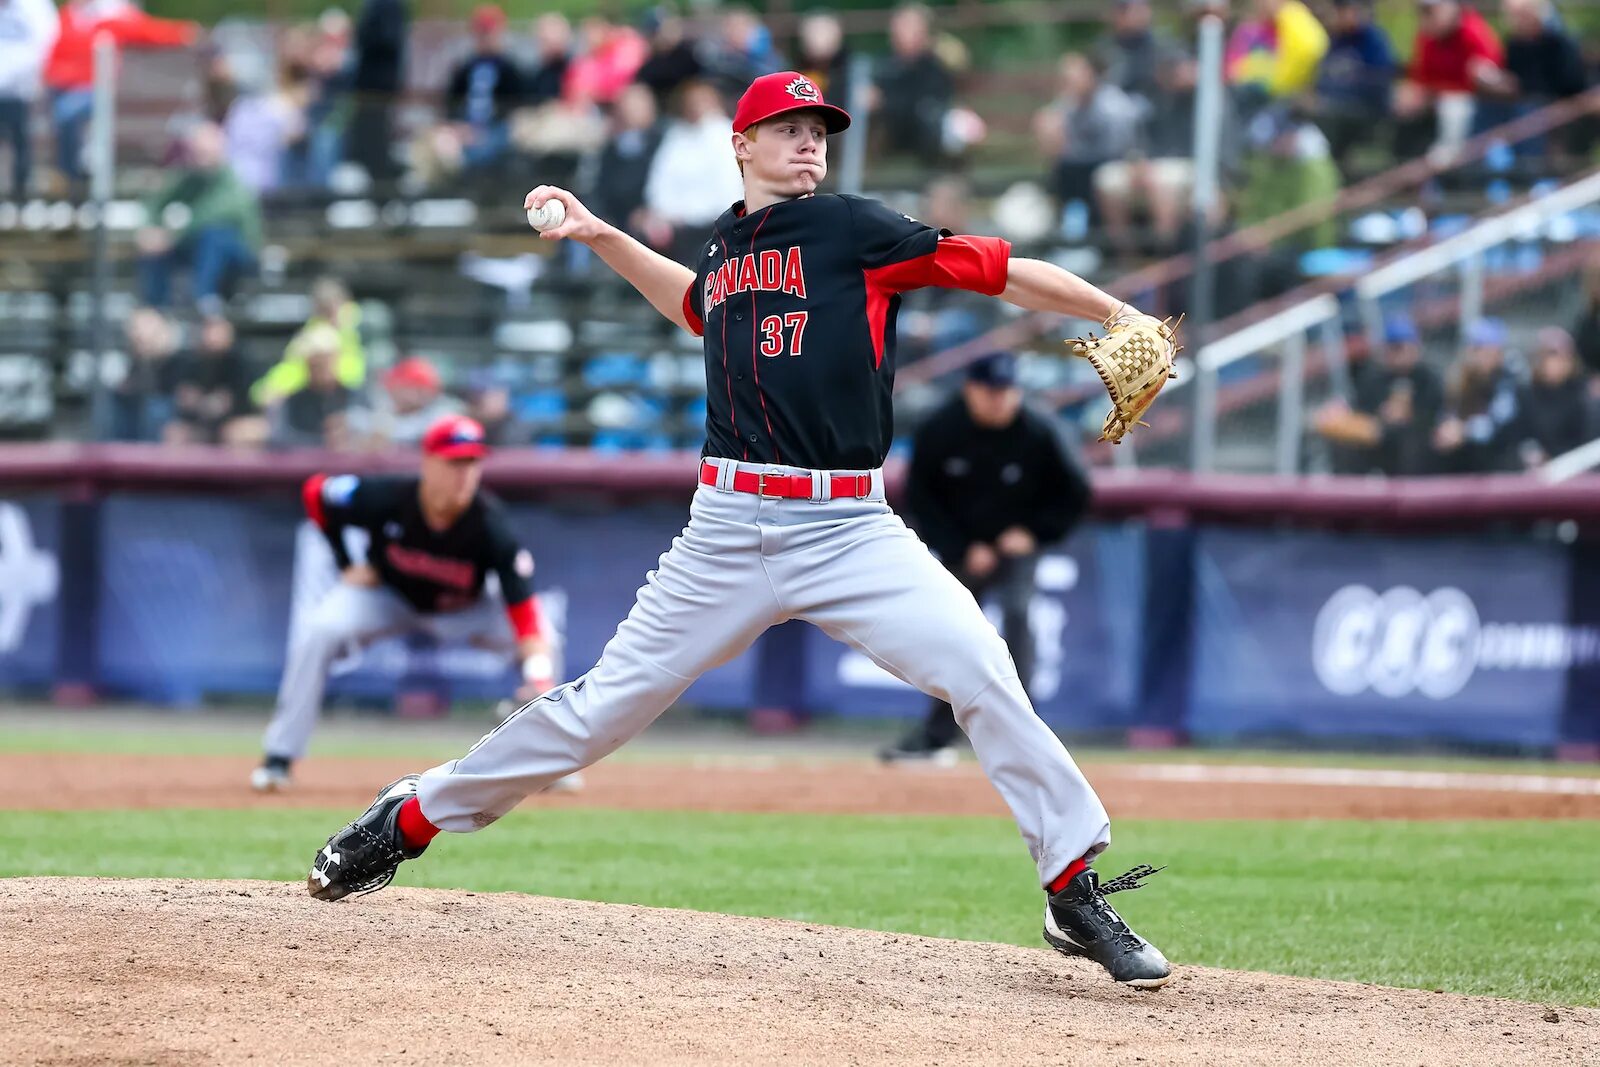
[[1311, 86], [186, 381], [330, 91], [1118, 133], [634, 115], [1497, 408]]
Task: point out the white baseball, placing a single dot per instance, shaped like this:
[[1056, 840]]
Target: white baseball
[[553, 214]]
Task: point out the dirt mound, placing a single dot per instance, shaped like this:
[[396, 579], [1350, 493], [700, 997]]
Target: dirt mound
[[173, 972], [70, 781]]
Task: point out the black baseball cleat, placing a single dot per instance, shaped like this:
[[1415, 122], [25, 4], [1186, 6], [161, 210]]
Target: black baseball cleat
[[363, 857], [1079, 922]]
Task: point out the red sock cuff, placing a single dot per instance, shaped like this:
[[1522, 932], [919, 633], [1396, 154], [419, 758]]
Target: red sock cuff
[[1075, 868], [414, 826]]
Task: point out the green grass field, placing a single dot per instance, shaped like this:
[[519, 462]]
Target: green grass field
[[1500, 908], [1505, 908]]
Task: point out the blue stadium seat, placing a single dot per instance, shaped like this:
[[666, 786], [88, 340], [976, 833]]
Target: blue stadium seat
[[544, 405], [618, 441], [1326, 262], [609, 370]]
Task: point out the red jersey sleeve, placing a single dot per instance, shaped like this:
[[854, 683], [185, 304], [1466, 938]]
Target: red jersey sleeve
[[958, 261], [525, 619], [697, 325]]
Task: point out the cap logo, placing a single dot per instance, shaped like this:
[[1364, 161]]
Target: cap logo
[[804, 89]]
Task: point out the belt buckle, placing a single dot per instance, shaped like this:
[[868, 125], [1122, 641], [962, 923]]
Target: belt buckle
[[761, 487], [863, 486]]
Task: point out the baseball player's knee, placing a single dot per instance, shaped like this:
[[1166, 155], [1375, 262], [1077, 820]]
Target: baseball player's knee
[[961, 666], [1000, 693], [322, 636]]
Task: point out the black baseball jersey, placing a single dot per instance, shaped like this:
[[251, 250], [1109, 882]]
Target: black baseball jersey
[[969, 483], [797, 305], [433, 570]]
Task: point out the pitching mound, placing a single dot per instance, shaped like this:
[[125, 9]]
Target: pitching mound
[[173, 972]]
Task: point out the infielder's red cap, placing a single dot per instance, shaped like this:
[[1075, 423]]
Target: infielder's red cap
[[455, 437], [487, 18], [785, 91]]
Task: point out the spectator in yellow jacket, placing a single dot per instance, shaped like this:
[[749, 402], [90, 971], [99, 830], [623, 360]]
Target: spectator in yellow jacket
[[1275, 54], [331, 307]]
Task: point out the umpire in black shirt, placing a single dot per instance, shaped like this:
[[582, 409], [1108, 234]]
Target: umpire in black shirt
[[990, 482]]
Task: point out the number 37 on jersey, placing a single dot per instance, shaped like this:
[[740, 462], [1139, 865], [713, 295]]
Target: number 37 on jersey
[[783, 333]]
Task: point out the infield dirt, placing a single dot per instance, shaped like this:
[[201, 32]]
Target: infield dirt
[[170, 972], [74, 781]]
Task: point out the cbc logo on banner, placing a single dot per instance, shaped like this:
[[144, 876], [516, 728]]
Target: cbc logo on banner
[[1396, 643]]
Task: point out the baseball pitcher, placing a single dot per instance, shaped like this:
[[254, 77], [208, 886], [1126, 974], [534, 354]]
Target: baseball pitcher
[[795, 295]]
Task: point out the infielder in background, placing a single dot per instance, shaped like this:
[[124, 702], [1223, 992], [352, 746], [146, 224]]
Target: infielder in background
[[434, 539], [795, 294], [990, 482]]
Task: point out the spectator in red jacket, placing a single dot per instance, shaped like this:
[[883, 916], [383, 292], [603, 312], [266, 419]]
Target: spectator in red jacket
[[69, 74], [612, 54], [1454, 53]]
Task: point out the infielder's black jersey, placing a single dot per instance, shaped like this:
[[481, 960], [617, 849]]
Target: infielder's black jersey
[[797, 305], [433, 570]]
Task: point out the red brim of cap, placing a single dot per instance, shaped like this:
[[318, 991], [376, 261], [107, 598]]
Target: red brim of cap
[[461, 450], [834, 119]]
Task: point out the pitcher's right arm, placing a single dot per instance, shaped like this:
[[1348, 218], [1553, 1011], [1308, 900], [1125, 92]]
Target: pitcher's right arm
[[658, 279]]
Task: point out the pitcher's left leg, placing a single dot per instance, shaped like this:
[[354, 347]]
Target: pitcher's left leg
[[888, 597]]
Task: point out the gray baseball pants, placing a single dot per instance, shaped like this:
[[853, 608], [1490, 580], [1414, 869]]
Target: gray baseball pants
[[351, 616], [744, 563]]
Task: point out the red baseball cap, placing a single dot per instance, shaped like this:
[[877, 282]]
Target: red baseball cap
[[781, 92], [413, 371], [487, 18], [455, 437]]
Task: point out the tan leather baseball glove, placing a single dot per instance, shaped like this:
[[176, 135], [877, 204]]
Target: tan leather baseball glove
[[1134, 360]]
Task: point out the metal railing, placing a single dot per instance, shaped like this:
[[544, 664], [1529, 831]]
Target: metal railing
[[1289, 329], [1146, 282], [1468, 296]]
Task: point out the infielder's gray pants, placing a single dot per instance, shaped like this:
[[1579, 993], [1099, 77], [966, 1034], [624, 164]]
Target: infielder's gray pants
[[743, 564], [351, 616]]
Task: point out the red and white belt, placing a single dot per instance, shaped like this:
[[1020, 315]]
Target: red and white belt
[[790, 486]]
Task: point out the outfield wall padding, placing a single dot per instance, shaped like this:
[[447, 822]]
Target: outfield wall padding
[[1218, 607]]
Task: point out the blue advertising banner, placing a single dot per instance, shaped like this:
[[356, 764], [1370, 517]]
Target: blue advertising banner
[[30, 587], [1088, 654], [195, 595], [1327, 635], [1289, 632], [199, 596]]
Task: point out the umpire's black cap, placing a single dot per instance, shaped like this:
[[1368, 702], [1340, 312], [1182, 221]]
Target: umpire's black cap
[[997, 369]]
